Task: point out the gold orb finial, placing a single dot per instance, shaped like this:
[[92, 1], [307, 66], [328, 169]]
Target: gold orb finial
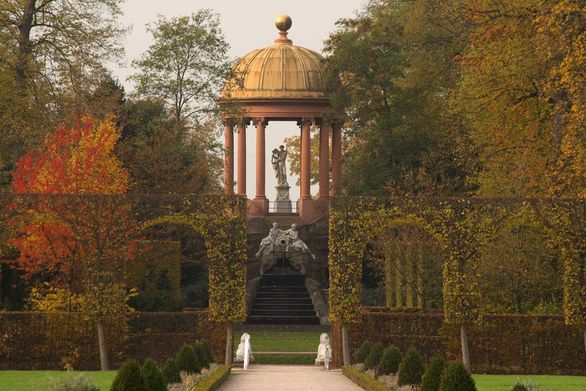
[[284, 23]]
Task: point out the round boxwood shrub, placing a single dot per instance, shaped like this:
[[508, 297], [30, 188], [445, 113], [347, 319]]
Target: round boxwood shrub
[[456, 378], [362, 352], [374, 357], [433, 375], [201, 354], [151, 375], [390, 361], [129, 378], [187, 361], [411, 368], [170, 372]]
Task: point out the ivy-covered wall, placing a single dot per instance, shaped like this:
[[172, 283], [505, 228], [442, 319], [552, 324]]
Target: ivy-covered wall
[[507, 343], [35, 340]]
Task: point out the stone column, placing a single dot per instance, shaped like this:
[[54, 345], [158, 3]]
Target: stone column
[[324, 160], [260, 124], [336, 157], [228, 158], [242, 157], [305, 175]]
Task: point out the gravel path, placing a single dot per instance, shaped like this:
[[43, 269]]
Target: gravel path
[[287, 377]]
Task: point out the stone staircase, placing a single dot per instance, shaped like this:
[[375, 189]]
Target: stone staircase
[[282, 299]]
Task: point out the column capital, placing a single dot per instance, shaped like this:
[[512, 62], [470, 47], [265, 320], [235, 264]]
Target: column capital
[[306, 121], [260, 120], [243, 121], [229, 122]]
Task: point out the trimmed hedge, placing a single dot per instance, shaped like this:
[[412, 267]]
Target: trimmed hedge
[[363, 380], [215, 380], [37, 341], [502, 344]]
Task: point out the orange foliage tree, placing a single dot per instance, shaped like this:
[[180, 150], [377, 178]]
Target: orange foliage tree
[[74, 225]]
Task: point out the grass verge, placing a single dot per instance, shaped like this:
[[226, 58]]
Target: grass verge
[[33, 380], [549, 383]]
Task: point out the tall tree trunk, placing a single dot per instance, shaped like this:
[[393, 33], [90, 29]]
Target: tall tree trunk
[[345, 345], [584, 330], [229, 343], [103, 346], [465, 350], [25, 47]]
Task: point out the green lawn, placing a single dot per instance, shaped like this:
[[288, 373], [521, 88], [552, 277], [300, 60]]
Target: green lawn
[[549, 383], [281, 341], [33, 380]]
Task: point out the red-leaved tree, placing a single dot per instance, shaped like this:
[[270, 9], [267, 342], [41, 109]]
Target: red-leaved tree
[[74, 225]]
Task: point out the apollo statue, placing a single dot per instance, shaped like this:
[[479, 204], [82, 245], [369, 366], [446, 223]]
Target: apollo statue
[[278, 159]]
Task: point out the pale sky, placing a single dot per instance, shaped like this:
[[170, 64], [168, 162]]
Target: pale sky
[[247, 25]]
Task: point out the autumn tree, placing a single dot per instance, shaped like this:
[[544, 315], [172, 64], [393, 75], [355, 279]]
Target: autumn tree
[[161, 156], [51, 53], [74, 233], [392, 73], [185, 66], [462, 227]]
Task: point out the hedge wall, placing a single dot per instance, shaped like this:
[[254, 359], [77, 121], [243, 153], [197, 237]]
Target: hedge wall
[[33, 340], [516, 344]]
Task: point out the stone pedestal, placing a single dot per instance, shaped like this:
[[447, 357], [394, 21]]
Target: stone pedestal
[[283, 201]]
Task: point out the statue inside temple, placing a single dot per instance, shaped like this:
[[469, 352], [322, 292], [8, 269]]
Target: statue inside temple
[[278, 159], [283, 244]]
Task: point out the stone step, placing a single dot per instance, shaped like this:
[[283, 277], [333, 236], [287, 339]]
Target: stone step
[[282, 320], [266, 288], [258, 312], [277, 306], [272, 299]]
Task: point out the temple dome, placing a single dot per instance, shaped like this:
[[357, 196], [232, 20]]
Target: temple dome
[[281, 71]]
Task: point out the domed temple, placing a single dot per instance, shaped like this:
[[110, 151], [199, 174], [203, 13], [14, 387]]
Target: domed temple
[[282, 82]]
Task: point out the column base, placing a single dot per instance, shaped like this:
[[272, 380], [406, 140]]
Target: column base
[[258, 207]]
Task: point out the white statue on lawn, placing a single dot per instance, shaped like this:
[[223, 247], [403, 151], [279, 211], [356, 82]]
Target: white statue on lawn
[[244, 351], [324, 351]]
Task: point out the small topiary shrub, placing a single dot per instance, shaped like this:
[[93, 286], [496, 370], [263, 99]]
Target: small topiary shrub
[[153, 380], [390, 361], [362, 352], [170, 372], [374, 357], [526, 385], [70, 383], [129, 378], [208, 350], [187, 361], [433, 375], [456, 378], [411, 368], [201, 354]]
